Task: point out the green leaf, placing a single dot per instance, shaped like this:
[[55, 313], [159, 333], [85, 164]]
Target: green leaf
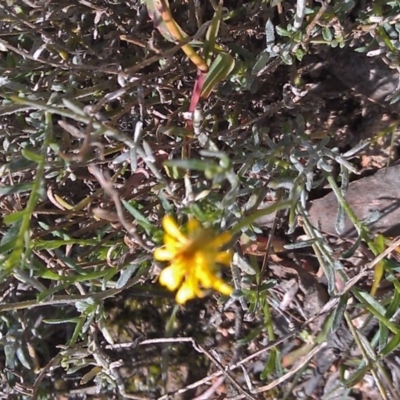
[[383, 335], [9, 352], [369, 351], [384, 36], [16, 165], [339, 312], [250, 337], [212, 33], [369, 300], [394, 305], [14, 217], [57, 321], [261, 62], [103, 328], [8, 246], [174, 172], [270, 365], [175, 131], [49, 274], [31, 156], [375, 308], [10, 236], [109, 274], [391, 346], [326, 329], [356, 377], [55, 244], [60, 286], [16, 188], [139, 217], [195, 165], [13, 109], [77, 331], [327, 34], [126, 275], [221, 67], [23, 356], [282, 32], [379, 243], [14, 259]]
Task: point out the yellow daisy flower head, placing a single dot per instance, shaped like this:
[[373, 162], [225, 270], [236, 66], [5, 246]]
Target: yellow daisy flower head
[[193, 259]]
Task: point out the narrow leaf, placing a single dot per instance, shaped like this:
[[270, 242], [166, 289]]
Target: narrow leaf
[[212, 33], [31, 156], [379, 267], [221, 67], [16, 188], [391, 346]]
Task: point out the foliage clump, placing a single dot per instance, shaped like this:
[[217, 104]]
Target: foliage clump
[[114, 116]]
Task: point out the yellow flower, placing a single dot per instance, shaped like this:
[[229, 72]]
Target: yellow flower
[[192, 258]]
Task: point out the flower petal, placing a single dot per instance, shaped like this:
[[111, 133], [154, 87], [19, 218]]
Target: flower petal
[[222, 287], [172, 276], [224, 258], [206, 278], [221, 239], [163, 254], [203, 273], [169, 241], [186, 292], [193, 225], [172, 229], [193, 259]]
